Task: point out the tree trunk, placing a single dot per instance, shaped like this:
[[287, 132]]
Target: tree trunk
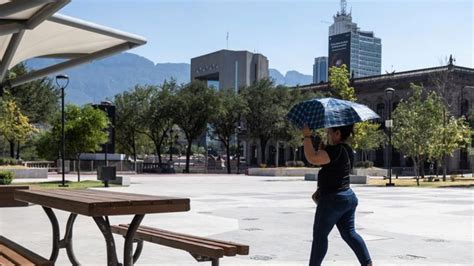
[[79, 168], [422, 168], [12, 149], [18, 150], [437, 168], [188, 155], [415, 167], [158, 152], [134, 155], [227, 148], [158, 146], [263, 145], [294, 155], [445, 166], [444, 155], [276, 154]]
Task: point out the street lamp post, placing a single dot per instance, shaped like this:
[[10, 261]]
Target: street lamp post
[[106, 105], [176, 138], [105, 169], [62, 81], [389, 124]]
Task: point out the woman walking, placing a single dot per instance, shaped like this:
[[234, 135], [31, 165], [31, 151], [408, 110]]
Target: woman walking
[[336, 202]]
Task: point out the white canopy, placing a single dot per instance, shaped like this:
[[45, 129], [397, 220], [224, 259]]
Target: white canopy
[[29, 30]]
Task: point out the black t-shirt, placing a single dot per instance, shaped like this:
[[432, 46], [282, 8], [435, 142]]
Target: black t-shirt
[[334, 176]]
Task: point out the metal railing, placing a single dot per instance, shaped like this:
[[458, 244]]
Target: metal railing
[[51, 165]]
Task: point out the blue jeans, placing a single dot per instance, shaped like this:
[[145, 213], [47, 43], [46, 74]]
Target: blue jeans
[[338, 209]]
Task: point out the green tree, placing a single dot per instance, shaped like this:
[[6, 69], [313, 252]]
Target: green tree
[[194, 106], [416, 124], [37, 100], [46, 146], [229, 111], [340, 83], [85, 131], [449, 137], [158, 114], [291, 136], [130, 109], [443, 84], [14, 126], [266, 111], [367, 135]]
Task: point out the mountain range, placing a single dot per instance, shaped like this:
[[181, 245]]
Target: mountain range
[[102, 79]]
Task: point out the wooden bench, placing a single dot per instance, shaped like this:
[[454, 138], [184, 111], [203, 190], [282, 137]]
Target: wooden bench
[[12, 254], [202, 249], [7, 193]]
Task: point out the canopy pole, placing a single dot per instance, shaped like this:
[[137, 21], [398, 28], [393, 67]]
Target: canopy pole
[[11, 27], [10, 52]]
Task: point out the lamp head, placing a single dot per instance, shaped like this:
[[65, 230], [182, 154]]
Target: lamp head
[[389, 93], [62, 80]]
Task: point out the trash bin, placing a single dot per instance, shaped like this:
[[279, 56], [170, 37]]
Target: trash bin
[[106, 174]]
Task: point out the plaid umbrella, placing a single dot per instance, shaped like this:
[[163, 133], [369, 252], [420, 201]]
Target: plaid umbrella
[[329, 112]]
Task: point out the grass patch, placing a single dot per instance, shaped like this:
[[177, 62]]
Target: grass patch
[[423, 183], [71, 185]]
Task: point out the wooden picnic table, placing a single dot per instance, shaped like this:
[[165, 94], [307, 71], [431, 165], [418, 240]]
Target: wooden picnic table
[[99, 204]]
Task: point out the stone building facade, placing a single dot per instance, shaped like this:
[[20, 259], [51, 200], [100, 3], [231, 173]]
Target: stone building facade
[[456, 82]]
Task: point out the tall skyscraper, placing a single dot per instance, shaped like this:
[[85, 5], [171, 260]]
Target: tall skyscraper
[[359, 50], [320, 69]]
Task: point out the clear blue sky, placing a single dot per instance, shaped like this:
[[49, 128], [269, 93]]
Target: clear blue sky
[[415, 34]]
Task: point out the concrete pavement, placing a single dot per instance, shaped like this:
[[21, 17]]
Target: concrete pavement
[[274, 215]]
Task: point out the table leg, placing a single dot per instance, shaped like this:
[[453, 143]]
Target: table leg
[[68, 239], [66, 242], [138, 251], [104, 227], [55, 225], [128, 247]]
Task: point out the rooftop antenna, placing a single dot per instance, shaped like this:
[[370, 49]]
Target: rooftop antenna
[[343, 7], [227, 41]]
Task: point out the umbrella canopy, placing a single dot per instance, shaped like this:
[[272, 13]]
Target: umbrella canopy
[[329, 112], [28, 29]]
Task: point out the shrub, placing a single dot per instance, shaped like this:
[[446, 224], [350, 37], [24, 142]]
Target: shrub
[[454, 177], [6, 177], [364, 164], [300, 164], [9, 161], [294, 164]]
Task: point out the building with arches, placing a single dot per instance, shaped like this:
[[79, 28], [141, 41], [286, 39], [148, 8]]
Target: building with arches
[[455, 83]]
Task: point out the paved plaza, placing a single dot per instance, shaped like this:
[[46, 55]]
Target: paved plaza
[[274, 215]]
